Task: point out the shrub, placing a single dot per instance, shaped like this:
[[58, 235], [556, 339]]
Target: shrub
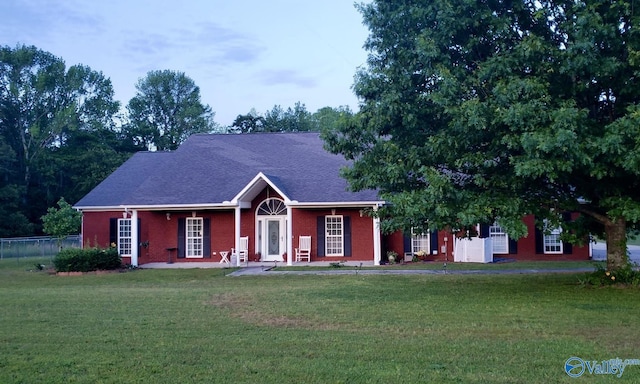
[[602, 277], [85, 260]]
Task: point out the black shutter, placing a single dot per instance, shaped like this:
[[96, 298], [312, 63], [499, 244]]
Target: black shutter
[[513, 246], [433, 240], [484, 231], [113, 231], [567, 248], [182, 223], [346, 222], [406, 244], [539, 236], [321, 233], [206, 238]]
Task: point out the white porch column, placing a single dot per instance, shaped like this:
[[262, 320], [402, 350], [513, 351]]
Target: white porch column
[[289, 237], [237, 234], [135, 241], [377, 251]]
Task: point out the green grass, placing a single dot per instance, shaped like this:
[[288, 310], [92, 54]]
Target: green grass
[[433, 265], [199, 326]]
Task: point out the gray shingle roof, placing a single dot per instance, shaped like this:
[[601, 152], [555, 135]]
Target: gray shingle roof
[[211, 169]]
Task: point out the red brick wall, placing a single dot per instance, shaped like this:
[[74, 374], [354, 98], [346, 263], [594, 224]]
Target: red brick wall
[[161, 234], [393, 242], [306, 221], [526, 246]]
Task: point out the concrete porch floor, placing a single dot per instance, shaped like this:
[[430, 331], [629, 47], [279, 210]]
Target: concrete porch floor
[[259, 264]]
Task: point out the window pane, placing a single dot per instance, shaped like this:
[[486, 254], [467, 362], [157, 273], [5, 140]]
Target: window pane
[[499, 239], [124, 237], [420, 242], [334, 239], [194, 237], [552, 242]]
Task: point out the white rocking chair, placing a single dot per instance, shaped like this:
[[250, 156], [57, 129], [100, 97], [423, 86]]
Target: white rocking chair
[[242, 253], [303, 252]]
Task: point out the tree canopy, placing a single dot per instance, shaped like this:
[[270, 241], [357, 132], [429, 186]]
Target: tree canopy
[[167, 110], [62, 221], [296, 119], [475, 111], [62, 132], [44, 107]]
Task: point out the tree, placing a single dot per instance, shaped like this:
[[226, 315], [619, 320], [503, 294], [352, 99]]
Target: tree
[[42, 104], [296, 119], [328, 118], [63, 221], [480, 111], [251, 122], [166, 110], [85, 159], [14, 222]]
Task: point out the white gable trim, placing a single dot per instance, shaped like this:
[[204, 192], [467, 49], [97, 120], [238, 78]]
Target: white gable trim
[[253, 188]]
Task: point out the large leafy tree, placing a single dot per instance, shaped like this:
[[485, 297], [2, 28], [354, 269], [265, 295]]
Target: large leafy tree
[[43, 104], [475, 111], [166, 110]]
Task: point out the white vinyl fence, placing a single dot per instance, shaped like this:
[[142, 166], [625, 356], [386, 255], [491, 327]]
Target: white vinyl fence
[[41, 246]]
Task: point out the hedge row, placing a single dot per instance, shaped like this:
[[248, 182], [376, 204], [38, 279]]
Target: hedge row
[[85, 260]]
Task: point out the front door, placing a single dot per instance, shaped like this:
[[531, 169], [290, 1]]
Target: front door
[[274, 239]]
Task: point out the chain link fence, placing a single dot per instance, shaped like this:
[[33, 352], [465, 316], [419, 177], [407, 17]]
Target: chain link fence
[[41, 246]]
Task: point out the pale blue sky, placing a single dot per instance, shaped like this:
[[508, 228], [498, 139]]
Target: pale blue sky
[[242, 54]]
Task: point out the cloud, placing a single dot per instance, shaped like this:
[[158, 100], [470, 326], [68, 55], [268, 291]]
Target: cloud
[[286, 77], [34, 21], [225, 44], [207, 43], [150, 45]]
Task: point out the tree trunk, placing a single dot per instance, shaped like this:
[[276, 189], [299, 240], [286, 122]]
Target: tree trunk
[[616, 233]]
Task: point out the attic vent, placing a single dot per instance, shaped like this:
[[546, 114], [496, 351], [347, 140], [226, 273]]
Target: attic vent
[[272, 207]]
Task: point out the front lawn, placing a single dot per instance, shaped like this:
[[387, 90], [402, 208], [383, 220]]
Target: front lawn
[[199, 326], [450, 266]]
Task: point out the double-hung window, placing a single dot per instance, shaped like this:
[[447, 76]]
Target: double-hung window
[[124, 237], [194, 228], [552, 242], [420, 242], [499, 239], [335, 235]]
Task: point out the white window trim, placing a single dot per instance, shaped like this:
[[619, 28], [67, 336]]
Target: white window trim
[[501, 232], [125, 246], [336, 239], [192, 241], [556, 234], [420, 242]]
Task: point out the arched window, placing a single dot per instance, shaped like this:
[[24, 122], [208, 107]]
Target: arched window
[[272, 207]]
